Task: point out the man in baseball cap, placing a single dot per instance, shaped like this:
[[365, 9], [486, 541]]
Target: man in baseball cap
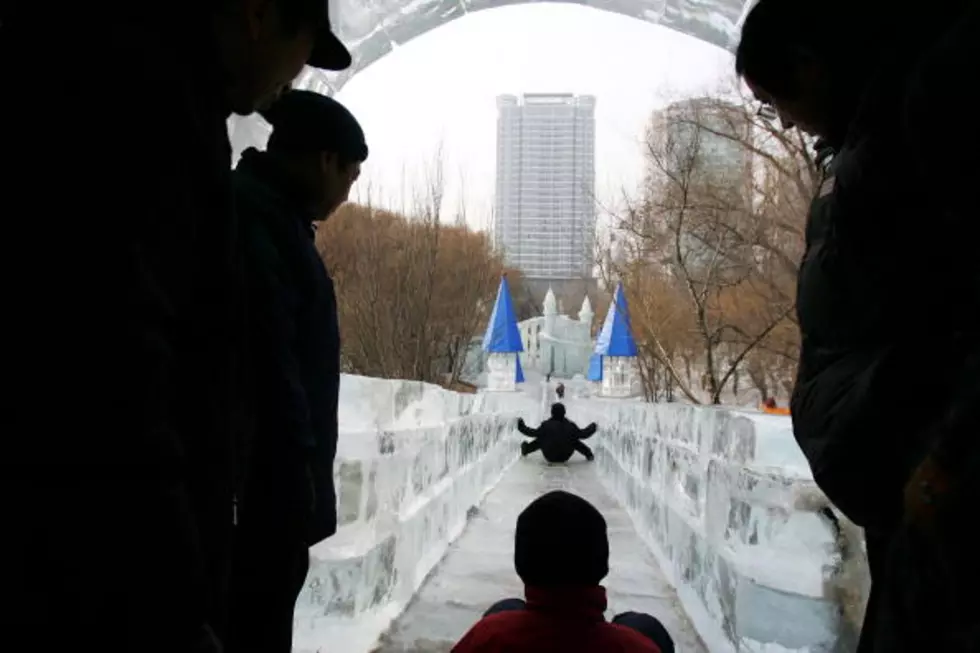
[[156, 290], [328, 52]]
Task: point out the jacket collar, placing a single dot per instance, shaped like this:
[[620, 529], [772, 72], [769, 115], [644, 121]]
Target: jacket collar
[[587, 602], [266, 169]]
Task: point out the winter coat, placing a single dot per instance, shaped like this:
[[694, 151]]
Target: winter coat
[[124, 332], [556, 620], [888, 304], [886, 301], [557, 437], [296, 341]]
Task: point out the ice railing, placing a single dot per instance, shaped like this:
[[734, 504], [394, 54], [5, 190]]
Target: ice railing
[[748, 544], [370, 404], [404, 496]]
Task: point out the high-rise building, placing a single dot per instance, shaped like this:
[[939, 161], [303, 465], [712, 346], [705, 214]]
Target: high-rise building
[[712, 136], [544, 218], [704, 150]]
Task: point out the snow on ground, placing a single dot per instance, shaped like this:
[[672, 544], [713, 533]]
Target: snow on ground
[[368, 404], [775, 445]]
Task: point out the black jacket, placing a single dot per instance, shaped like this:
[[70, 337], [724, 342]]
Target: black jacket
[[296, 338], [887, 300], [123, 327], [557, 436]]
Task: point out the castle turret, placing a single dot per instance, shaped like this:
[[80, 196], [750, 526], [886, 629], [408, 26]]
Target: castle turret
[[550, 312], [585, 314], [614, 361], [502, 342]]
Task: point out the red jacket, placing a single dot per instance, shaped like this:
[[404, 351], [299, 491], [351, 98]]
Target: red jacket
[[565, 621]]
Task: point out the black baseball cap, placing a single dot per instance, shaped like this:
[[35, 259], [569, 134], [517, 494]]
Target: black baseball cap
[[328, 52]]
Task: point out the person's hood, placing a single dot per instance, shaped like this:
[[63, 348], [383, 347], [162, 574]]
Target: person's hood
[[910, 38]]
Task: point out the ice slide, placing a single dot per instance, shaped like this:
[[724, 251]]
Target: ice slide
[[479, 569], [715, 525]]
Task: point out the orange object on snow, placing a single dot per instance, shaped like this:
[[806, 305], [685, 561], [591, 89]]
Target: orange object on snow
[[774, 410], [769, 406]]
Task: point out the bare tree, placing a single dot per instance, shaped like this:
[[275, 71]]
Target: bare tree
[[411, 290], [716, 234]]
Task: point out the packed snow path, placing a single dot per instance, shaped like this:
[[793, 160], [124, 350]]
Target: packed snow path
[[478, 569]]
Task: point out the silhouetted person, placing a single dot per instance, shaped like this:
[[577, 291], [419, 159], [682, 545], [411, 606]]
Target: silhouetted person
[[557, 438], [561, 553], [560, 391], [313, 157], [898, 458], [125, 302]]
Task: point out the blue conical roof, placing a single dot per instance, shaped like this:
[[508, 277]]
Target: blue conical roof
[[595, 368], [502, 335], [616, 337], [519, 375]]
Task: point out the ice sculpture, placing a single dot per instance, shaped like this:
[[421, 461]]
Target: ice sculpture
[[502, 342], [733, 517], [404, 496], [613, 363], [372, 30], [557, 344]]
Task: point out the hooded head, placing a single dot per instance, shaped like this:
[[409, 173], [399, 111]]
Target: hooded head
[[807, 63], [558, 411], [561, 541], [321, 142]]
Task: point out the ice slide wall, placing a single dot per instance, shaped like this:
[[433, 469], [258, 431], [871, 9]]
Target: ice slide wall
[[723, 499], [412, 460]]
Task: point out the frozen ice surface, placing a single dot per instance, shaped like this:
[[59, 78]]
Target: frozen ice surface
[[775, 445], [720, 498], [479, 567], [368, 404], [717, 504], [403, 496]]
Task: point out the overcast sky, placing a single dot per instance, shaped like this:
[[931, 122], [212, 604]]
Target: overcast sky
[[439, 90]]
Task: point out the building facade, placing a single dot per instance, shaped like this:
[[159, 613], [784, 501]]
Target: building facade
[[709, 134], [704, 155], [544, 210]]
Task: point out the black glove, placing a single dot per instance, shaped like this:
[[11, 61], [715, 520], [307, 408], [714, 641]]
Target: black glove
[[520, 422], [524, 446], [590, 457]]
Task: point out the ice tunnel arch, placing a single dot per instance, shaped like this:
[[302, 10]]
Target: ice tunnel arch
[[373, 28]]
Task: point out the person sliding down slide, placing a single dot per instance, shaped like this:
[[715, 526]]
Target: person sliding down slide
[[561, 554], [557, 438]]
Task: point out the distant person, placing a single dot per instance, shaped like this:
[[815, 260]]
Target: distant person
[[125, 534], [314, 155], [770, 403], [561, 553], [560, 391], [557, 438]]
